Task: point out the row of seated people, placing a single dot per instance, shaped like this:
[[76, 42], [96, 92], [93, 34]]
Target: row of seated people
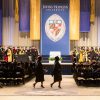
[[86, 54], [15, 72], [86, 71], [8, 53]]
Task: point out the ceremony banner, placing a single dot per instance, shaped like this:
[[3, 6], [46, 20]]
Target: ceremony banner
[[85, 16], [74, 19], [1, 18], [24, 15], [55, 27]]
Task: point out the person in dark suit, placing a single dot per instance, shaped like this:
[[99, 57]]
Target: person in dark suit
[[57, 72], [39, 72], [92, 54], [74, 58]]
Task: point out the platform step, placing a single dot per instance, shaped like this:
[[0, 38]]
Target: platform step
[[65, 59]]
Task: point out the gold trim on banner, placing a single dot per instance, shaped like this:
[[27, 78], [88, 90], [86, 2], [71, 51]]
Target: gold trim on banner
[[35, 19], [92, 17], [16, 10], [74, 19]]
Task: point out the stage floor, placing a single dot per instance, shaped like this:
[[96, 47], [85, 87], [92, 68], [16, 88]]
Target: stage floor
[[69, 88]]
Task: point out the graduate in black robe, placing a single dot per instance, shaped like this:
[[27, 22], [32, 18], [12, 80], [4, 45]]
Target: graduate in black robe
[[39, 72], [57, 73]]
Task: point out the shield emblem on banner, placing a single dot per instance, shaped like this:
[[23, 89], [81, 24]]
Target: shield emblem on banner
[[55, 28]]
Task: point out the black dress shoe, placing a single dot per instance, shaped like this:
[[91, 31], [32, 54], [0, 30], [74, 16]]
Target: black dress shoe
[[34, 85], [59, 87], [51, 85], [42, 86], [1, 86]]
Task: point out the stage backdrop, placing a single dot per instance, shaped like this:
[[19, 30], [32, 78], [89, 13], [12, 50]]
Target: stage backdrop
[[85, 16], [55, 26], [24, 15]]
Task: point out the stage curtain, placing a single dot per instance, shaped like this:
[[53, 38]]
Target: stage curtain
[[8, 22], [24, 16], [11, 22], [74, 19], [85, 16], [1, 18], [92, 16], [35, 19], [16, 10]]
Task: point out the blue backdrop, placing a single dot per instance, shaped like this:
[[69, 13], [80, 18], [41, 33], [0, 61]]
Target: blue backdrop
[[24, 15], [48, 8], [85, 16], [1, 15]]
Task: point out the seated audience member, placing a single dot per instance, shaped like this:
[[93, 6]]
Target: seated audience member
[[5, 56], [25, 49], [92, 54], [36, 53], [14, 51], [87, 54], [76, 51], [18, 50], [99, 51], [28, 51], [96, 50], [74, 57], [21, 52]]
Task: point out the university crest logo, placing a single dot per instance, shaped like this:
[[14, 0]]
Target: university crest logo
[[55, 28]]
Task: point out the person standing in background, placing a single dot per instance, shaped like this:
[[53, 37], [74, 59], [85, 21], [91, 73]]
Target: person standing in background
[[9, 54], [1, 54]]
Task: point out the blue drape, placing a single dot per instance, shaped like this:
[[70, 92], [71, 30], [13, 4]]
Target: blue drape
[[84, 15], [24, 15]]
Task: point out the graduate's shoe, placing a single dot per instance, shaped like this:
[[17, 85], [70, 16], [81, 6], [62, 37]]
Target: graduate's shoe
[[34, 85], [1, 86], [42, 86], [51, 85], [59, 87]]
